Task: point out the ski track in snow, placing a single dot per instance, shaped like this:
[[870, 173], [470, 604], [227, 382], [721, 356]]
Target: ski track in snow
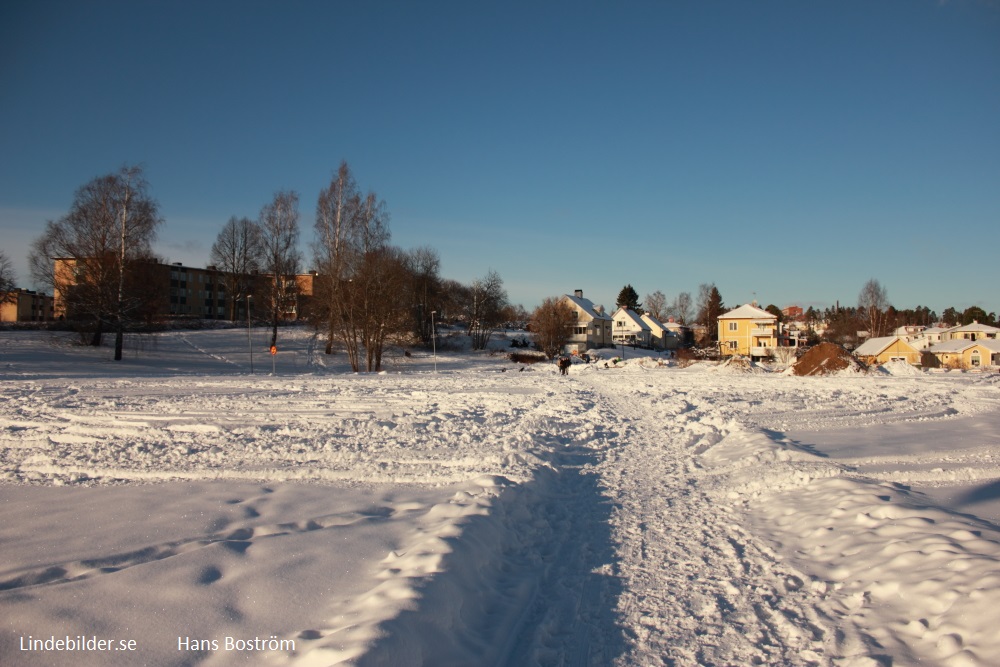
[[629, 516]]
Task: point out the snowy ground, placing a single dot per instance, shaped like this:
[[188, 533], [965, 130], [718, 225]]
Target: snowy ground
[[639, 514]]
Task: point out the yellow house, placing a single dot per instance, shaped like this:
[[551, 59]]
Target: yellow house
[[748, 331], [876, 351], [968, 354]]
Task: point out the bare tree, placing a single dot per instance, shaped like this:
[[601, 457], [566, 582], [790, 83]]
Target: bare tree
[[335, 246], [873, 306], [484, 308], [424, 265], [552, 325], [6, 277], [279, 225], [656, 305], [681, 308], [237, 254], [111, 224], [366, 285], [380, 299]]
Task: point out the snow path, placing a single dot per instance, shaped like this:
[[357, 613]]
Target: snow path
[[698, 589]]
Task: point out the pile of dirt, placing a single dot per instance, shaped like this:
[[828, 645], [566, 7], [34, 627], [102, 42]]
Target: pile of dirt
[[826, 359]]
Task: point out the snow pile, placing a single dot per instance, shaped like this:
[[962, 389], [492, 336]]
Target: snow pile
[[738, 366], [900, 368], [638, 514]]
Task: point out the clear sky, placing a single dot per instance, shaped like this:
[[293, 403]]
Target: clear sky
[[784, 150]]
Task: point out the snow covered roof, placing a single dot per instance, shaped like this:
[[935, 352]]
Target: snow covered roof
[[974, 327], [875, 346], [631, 316], [587, 306], [747, 312], [961, 344], [653, 322]]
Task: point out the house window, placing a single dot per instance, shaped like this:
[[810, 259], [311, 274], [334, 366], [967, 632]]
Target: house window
[[733, 326], [732, 344], [975, 359]]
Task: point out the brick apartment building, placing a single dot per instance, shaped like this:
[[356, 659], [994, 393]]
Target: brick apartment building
[[187, 292], [23, 305]]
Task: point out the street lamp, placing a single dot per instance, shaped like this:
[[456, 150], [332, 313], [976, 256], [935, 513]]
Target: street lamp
[[249, 338], [434, 340]]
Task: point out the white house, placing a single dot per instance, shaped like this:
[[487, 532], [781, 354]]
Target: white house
[[661, 336], [974, 331], [928, 337], [592, 328], [628, 328]]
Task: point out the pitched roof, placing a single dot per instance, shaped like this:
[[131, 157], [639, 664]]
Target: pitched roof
[[587, 306], [875, 346], [747, 312], [975, 326], [961, 345], [653, 322], [633, 317]]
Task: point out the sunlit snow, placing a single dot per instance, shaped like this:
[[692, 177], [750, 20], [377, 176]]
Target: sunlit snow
[[488, 513]]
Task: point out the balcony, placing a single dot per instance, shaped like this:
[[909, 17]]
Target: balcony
[[760, 351], [763, 332]]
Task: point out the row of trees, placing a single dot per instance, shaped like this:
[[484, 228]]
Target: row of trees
[[367, 292]]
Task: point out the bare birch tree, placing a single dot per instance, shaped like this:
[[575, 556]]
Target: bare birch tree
[[6, 276], [680, 309], [365, 285], [873, 305], [334, 247], [656, 305], [279, 225], [110, 226], [237, 253]]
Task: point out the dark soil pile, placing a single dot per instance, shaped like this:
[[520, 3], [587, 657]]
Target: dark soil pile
[[825, 359]]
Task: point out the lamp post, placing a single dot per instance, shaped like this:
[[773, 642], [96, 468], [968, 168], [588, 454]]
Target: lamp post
[[434, 340], [249, 338]]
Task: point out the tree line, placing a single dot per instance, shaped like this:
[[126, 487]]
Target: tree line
[[367, 293]]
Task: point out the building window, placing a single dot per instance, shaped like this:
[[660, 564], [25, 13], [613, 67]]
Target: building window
[[733, 326], [732, 344], [975, 359]]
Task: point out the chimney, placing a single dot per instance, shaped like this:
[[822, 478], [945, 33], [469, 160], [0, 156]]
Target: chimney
[[578, 293]]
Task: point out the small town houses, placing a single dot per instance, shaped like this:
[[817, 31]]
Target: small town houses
[[594, 328], [969, 346]]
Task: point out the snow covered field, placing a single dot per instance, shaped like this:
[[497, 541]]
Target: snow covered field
[[173, 509]]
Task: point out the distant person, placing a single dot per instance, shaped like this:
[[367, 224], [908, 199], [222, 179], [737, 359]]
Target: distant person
[[564, 364]]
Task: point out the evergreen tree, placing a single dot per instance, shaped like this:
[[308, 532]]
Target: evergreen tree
[[628, 298], [713, 308]]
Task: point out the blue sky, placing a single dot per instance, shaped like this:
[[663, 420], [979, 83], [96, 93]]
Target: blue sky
[[787, 151]]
